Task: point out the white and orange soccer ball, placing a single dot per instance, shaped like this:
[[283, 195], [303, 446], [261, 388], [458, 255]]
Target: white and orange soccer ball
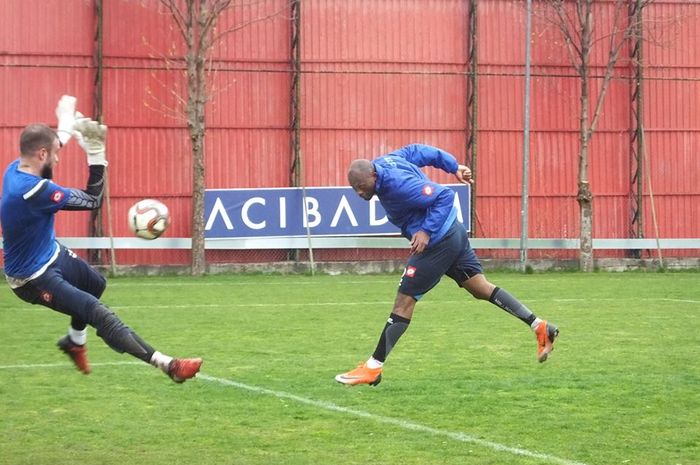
[[149, 218]]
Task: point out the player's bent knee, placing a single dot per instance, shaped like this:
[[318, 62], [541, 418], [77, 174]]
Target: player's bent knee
[[117, 335], [101, 286], [106, 323], [479, 289]]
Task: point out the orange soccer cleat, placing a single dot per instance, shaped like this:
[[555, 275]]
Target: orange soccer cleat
[[76, 353], [546, 334], [182, 369], [361, 375]]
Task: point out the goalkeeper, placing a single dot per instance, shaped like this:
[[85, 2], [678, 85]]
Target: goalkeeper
[[39, 269]]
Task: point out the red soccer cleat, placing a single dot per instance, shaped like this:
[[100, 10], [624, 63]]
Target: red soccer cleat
[[182, 369], [546, 334], [76, 353]]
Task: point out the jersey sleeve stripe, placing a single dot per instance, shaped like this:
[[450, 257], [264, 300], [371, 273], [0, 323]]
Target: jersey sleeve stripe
[[40, 186]]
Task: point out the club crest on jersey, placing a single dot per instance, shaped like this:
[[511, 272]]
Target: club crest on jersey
[[47, 297], [428, 190], [57, 196], [410, 271]]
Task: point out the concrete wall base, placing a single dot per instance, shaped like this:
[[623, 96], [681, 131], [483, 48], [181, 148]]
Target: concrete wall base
[[396, 266]]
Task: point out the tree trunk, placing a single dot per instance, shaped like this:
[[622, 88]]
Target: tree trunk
[[198, 251], [585, 196], [196, 125], [585, 201]]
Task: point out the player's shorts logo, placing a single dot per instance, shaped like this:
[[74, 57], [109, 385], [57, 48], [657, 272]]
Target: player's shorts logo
[[47, 297], [57, 196], [410, 271], [427, 190]]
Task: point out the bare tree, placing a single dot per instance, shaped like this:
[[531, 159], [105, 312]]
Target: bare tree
[[575, 21], [196, 22]]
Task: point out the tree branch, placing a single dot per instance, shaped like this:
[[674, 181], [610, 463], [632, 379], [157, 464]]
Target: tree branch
[[176, 13], [253, 21], [565, 25], [207, 22], [613, 55]]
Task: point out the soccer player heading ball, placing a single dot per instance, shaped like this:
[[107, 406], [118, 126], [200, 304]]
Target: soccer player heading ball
[[42, 271], [425, 213]]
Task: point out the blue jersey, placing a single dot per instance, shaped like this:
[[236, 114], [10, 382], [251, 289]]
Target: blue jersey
[[411, 200], [27, 215]]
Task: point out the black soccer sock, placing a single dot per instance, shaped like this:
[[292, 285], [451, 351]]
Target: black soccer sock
[[503, 299], [117, 335], [395, 327]]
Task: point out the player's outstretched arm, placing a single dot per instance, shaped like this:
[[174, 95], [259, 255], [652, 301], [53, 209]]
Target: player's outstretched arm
[[426, 155], [91, 136]]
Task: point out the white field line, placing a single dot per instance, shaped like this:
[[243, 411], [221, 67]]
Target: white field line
[[280, 283], [386, 302], [369, 280], [323, 405], [398, 422], [376, 302], [613, 299]]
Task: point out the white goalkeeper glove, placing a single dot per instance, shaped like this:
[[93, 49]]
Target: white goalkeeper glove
[[91, 136], [65, 112]]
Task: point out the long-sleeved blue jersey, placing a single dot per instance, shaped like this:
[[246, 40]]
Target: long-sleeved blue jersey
[[29, 204], [412, 201]]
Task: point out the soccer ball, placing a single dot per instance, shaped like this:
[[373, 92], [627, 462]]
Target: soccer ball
[[148, 218]]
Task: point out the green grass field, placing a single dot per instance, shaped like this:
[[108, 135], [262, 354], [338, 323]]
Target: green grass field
[[461, 387]]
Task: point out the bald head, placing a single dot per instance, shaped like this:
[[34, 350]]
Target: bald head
[[36, 137], [362, 177], [359, 171], [39, 146]]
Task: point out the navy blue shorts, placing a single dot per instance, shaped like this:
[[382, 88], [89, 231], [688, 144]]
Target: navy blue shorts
[[452, 256], [69, 286]]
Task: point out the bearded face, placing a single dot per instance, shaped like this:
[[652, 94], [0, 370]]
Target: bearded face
[[47, 169], [51, 160]]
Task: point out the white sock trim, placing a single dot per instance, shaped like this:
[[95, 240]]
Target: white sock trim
[[536, 323], [161, 361], [374, 363], [78, 337]]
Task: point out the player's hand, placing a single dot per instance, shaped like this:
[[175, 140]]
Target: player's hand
[[419, 242], [91, 136], [65, 113], [464, 174]]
